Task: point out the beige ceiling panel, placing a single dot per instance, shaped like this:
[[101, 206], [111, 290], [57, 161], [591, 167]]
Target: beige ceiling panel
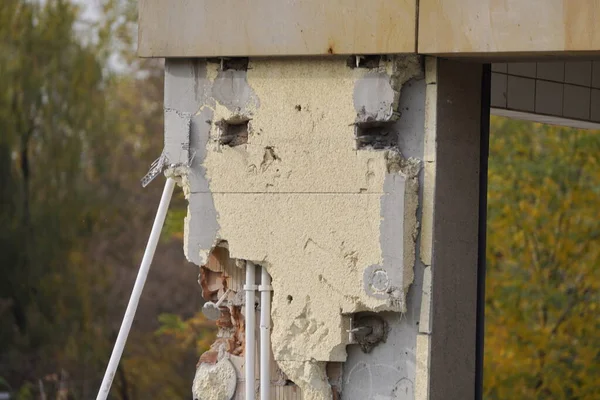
[[208, 28], [508, 26]]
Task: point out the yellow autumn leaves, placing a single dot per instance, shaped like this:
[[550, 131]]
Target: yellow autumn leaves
[[543, 279]]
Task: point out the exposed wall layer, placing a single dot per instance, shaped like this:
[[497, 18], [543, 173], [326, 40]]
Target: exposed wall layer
[[277, 171]]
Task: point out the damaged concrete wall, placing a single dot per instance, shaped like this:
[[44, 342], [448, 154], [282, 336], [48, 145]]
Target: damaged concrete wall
[[299, 166], [390, 371], [220, 372]]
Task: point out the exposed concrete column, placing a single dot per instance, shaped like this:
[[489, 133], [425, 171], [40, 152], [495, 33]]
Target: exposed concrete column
[[446, 344], [322, 170]]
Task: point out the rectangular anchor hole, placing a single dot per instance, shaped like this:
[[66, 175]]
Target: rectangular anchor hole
[[375, 135], [234, 63], [365, 61], [234, 132]]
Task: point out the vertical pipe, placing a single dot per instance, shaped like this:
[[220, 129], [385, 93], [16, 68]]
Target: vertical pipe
[[134, 299], [265, 334], [250, 353]]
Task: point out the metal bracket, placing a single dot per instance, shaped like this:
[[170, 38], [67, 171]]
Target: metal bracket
[[155, 169], [158, 166], [367, 330]]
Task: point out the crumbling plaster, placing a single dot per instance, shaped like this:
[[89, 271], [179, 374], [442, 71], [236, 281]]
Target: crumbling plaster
[[334, 226], [215, 381]]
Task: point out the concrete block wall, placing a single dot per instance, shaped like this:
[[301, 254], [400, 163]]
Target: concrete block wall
[[568, 91]]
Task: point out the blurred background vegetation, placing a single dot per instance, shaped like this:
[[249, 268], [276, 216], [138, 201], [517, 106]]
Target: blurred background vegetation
[[80, 122], [543, 263]]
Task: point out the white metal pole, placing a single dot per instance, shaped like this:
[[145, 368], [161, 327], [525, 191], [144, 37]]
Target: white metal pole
[[250, 354], [265, 334], [115, 357]]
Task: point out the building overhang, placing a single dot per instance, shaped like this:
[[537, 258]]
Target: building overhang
[[481, 29]]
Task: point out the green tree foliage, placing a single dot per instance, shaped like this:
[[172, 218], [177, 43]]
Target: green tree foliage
[[543, 282], [75, 138], [52, 138]]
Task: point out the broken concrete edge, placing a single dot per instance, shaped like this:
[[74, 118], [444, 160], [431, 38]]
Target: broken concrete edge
[[408, 169], [310, 376], [392, 366], [429, 159], [377, 93], [399, 233]]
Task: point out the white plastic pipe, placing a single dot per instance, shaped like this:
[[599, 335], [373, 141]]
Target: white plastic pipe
[[117, 352], [250, 354], [265, 334]]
